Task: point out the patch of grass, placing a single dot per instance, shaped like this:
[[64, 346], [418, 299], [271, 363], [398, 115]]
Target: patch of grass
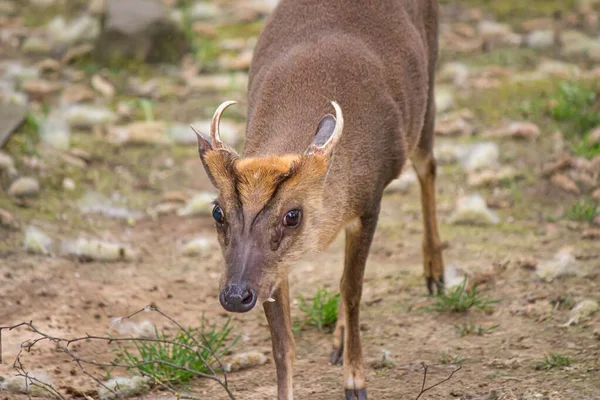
[[554, 360], [562, 303], [458, 299], [514, 10], [322, 310], [451, 359], [578, 103], [186, 354], [584, 210], [470, 329], [521, 58]]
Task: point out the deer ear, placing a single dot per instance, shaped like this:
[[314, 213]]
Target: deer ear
[[204, 146], [328, 134]]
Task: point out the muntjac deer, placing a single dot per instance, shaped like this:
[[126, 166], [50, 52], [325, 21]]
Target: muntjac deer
[[305, 175]]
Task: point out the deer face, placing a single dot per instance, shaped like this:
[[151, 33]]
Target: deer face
[[268, 211]]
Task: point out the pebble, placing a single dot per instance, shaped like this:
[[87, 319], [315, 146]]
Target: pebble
[[402, 184], [473, 210], [56, 131], [84, 116], [245, 360], [37, 241], [95, 249], [7, 164], [565, 183], [140, 133], [444, 99], [65, 33], [200, 204], [122, 387], [582, 311], [563, 264], [196, 246], [7, 220], [144, 329], [24, 186], [493, 177], [480, 156], [68, 184], [18, 384], [540, 39]]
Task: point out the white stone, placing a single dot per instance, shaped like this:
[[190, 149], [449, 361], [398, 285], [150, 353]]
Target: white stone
[[582, 311], [84, 116], [481, 155], [563, 264], [196, 246], [37, 241], [472, 210], [200, 204], [100, 250], [24, 186], [123, 387]]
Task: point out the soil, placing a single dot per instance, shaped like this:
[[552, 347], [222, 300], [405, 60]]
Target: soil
[[68, 297]]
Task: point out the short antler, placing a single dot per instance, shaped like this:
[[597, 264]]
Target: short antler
[[215, 135]]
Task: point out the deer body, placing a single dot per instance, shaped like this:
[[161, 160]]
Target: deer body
[[305, 175]]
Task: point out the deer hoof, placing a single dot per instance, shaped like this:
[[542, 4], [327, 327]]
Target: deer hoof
[[356, 394], [433, 284], [337, 356]]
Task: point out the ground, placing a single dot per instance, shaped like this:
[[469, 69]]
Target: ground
[[67, 297]]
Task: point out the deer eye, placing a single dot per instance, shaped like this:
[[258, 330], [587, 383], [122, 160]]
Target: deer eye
[[217, 214], [292, 218]]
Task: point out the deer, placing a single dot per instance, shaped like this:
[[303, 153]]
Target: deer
[[340, 98]]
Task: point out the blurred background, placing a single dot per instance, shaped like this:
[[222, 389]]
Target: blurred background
[[105, 207]]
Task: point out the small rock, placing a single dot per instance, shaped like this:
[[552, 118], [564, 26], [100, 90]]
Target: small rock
[[473, 210], [563, 264], [245, 360], [452, 278], [63, 34], [68, 184], [93, 249], [40, 87], [456, 73], [450, 153], [95, 203], [7, 165], [490, 29], [517, 130], [493, 177], [55, 131], [453, 125], [582, 311], [540, 39], [401, 184], [444, 99], [36, 241], [530, 263], [83, 116], [77, 93], [103, 86], [204, 11], [143, 329], [565, 183], [196, 246], [24, 187], [36, 45], [140, 133], [19, 384], [480, 156], [123, 387], [7, 220], [200, 204]]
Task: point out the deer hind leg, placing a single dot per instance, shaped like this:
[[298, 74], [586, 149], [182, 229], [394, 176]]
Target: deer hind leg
[[337, 353], [425, 166], [280, 325], [359, 236]]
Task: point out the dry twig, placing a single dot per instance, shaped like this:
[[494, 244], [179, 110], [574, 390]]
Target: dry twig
[[425, 389], [63, 345]]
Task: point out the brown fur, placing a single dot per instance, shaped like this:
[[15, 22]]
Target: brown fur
[[376, 58]]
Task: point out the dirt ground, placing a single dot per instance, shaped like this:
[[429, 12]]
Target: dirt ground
[[67, 297]]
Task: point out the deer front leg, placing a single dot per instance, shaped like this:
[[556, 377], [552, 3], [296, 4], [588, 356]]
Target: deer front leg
[[282, 339], [425, 167], [359, 236]]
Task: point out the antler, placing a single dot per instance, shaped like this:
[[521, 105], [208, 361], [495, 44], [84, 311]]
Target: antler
[[215, 135]]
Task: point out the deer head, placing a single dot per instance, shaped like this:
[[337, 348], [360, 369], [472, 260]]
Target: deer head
[[269, 209]]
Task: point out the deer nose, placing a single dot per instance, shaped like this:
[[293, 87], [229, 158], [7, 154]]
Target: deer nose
[[238, 297]]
